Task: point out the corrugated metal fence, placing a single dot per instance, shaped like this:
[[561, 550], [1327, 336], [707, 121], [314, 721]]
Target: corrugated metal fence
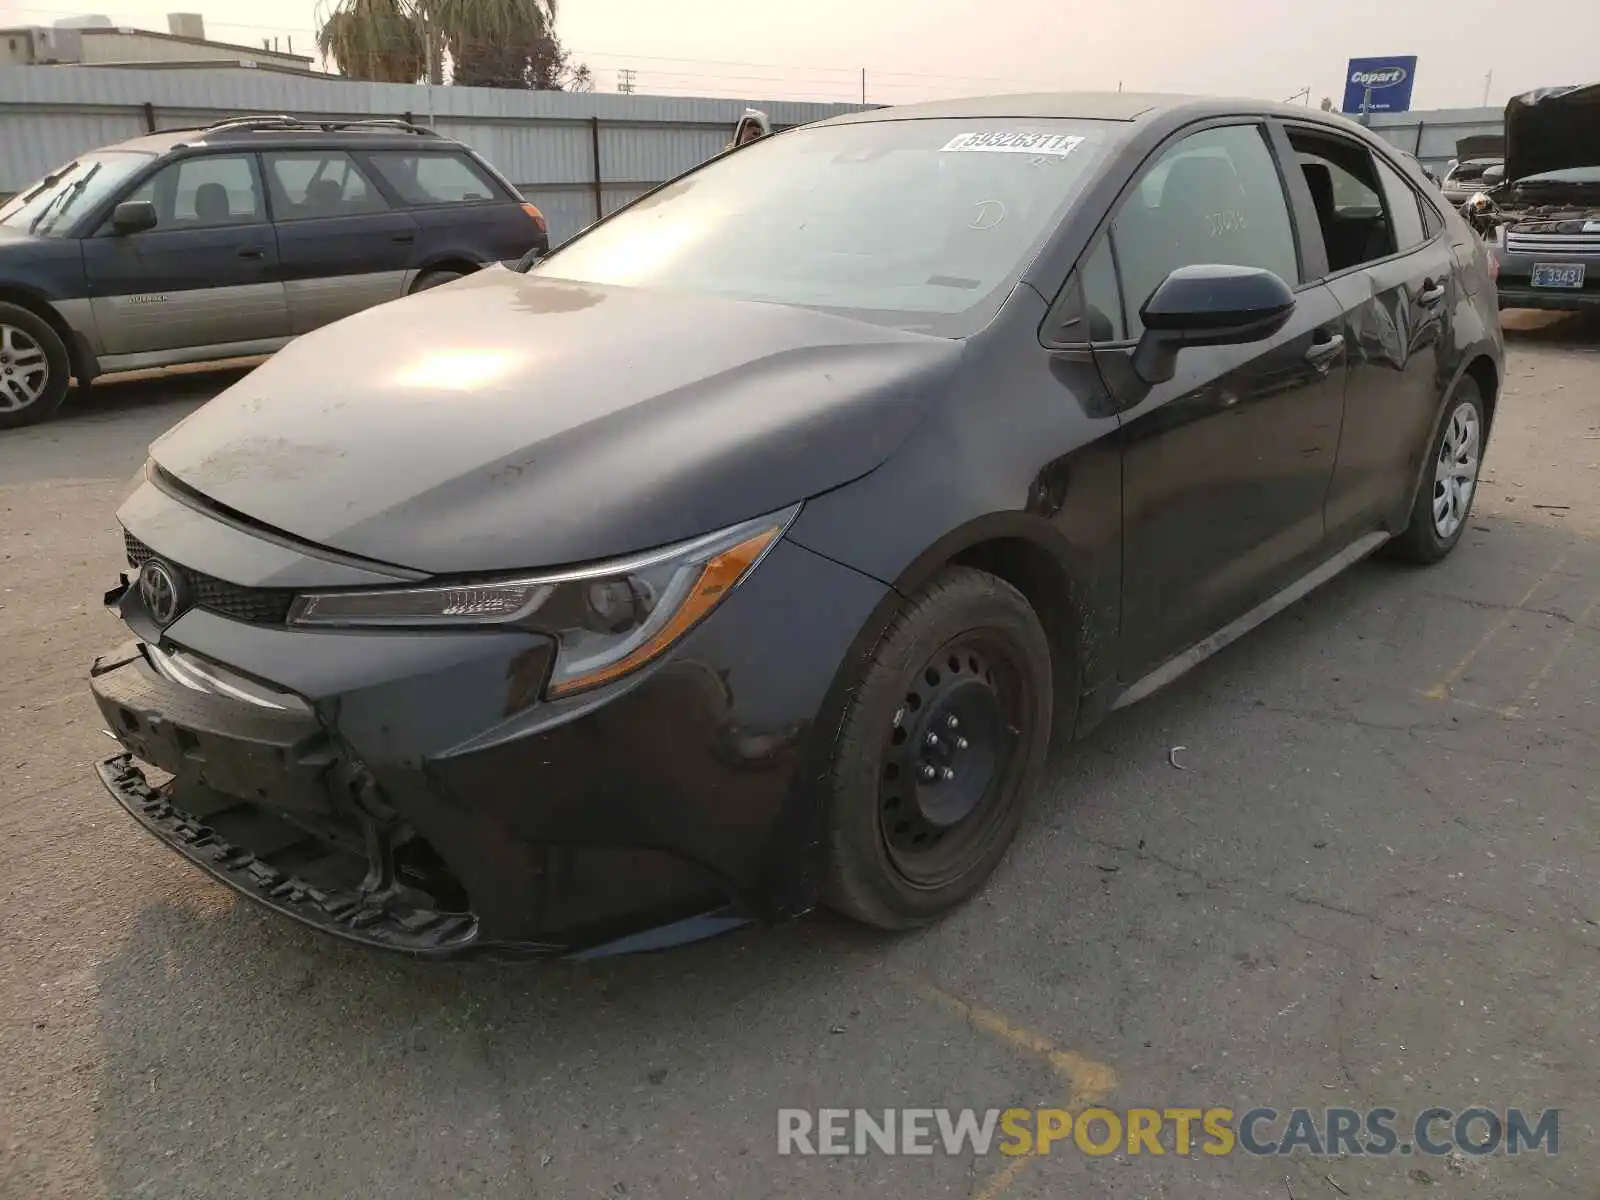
[[576, 156], [1432, 135]]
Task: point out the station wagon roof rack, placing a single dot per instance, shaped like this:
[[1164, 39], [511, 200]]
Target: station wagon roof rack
[[285, 123]]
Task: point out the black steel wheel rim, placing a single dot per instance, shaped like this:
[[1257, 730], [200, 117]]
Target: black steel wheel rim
[[952, 759]]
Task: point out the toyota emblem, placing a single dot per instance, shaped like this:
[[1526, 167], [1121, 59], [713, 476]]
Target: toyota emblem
[[161, 588]]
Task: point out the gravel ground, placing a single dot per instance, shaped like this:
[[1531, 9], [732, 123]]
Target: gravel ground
[[1372, 885]]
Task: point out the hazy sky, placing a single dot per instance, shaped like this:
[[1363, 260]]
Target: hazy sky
[[920, 49]]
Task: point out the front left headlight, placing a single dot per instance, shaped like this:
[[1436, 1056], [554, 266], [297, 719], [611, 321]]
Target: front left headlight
[[608, 619]]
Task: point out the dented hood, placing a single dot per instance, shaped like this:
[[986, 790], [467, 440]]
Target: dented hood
[[510, 421], [1552, 128]]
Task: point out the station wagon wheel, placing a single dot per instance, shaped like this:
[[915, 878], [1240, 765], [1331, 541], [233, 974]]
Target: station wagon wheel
[[435, 278], [1449, 480], [939, 751], [34, 367]]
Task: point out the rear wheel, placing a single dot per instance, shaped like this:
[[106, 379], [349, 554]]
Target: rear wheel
[[1449, 482], [939, 750], [433, 279], [35, 369]]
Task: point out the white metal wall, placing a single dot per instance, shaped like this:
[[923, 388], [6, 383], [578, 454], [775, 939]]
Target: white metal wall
[[1432, 135], [545, 142]]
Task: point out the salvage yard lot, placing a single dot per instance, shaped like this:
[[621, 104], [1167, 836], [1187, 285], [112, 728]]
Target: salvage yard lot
[[1373, 883]]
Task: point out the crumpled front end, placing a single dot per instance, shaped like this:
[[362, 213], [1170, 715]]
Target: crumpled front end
[[417, 791]]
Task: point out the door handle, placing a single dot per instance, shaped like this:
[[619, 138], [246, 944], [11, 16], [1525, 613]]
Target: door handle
[[405, 239], [1322, 354], [1431, 293], [252, 252]]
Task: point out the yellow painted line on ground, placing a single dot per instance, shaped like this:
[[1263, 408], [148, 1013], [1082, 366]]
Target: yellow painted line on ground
[[1090, 1081], [1562, 644], [1441, 690], [1510, 712], [997, 1185]]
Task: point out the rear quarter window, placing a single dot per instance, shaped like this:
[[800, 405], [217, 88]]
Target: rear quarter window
[[436, 177]]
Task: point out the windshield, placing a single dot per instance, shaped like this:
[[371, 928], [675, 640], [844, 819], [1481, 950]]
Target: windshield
[[924, 225], [52, 205]]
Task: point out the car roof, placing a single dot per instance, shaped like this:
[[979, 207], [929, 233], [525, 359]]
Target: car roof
[[1130, 107], [280, 134]]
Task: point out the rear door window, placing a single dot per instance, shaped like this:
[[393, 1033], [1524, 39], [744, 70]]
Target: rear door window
[[1357, 226], [1404, 216], [307, 184], [434, 178]]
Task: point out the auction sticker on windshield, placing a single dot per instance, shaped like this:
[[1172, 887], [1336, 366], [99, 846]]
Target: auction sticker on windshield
[[1057, 144]]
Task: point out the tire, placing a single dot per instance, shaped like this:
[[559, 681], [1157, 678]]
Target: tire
[[35, 368], [433, 279], [902, 847], [1440, 511]]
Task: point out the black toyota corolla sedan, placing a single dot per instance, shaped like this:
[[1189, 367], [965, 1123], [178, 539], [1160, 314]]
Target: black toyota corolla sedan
[[745, 553]]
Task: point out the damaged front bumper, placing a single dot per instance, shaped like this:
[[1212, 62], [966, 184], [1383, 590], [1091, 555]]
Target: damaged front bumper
[[414, 792], [366, 912]]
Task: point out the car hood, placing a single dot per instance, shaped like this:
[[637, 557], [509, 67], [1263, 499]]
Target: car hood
[[1481, 146], [1552, 128], [511, 421], [12, 235]]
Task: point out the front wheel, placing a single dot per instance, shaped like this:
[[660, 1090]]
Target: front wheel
[[1449, 482], [940, 747], [35, 369]]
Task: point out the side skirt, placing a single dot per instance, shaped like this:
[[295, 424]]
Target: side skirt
[[1260, 614]]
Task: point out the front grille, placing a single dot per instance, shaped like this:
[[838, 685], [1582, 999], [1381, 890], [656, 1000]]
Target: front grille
[[259, 606], [1553, 243]]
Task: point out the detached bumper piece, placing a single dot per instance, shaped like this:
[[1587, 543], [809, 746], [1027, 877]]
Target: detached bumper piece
[[262, 799], [279, 872]]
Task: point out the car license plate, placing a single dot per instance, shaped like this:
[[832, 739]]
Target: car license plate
[[1558, 275]]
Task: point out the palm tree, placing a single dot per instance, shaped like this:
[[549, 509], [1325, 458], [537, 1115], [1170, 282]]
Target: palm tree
[[494, 43], [491, 43], [378, 41]]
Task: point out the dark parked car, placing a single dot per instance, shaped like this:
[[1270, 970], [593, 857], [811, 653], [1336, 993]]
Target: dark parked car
[[1542, 210], [194, 245], [745, 553]]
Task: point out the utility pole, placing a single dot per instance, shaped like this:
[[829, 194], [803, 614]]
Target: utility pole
[[625, 78], [1487, 80], [863, 85], [427, 49]]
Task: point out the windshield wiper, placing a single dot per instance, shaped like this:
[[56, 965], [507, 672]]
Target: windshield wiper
[[59, 203]]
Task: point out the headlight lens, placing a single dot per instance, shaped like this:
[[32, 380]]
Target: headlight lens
[[608, 619]]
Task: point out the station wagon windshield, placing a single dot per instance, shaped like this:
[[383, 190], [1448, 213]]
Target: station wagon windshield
[[923, 225], [53, 204]]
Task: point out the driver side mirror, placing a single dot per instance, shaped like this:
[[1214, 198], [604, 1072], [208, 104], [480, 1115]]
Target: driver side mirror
[[133, 216], [1208, 305]]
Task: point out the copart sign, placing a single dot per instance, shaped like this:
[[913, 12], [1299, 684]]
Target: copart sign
[[1379, 84]]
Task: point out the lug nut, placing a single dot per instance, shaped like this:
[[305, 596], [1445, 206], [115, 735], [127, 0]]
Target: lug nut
[[961, 743], [952, 723], [933, 741], [947, 775], [929, 774]]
